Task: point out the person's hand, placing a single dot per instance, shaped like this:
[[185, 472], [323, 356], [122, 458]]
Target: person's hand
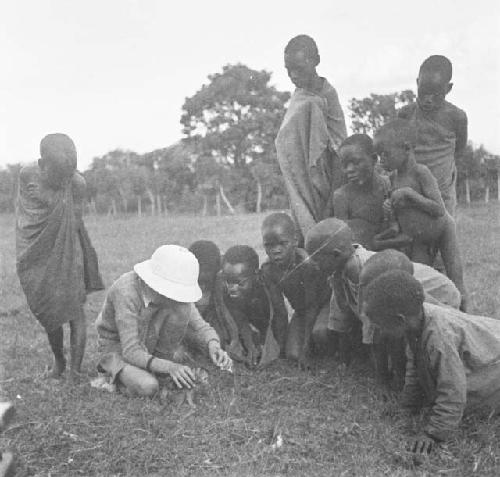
[[400, 197], [183, 376], [218, 356], [421, 445]]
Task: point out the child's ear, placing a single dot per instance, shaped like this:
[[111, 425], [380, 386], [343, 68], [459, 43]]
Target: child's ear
[[449, 87], [374, 156]]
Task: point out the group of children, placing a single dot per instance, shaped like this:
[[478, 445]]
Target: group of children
[[350, 269]]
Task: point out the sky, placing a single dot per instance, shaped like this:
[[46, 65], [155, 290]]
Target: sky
[[115, 73]]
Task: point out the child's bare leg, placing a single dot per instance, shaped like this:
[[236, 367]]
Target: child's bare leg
[[78, 339], [56, 341], [295, 337], [420, 253], [280, 326], [452, 259], [138, 382]]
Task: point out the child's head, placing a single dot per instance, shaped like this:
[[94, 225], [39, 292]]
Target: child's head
[[301, 59], [394, 143], [57, 159], [329, 244], [434, 82], [358, 158], [380, 263], [170, 274], [280, 238], [209, 258], [239, 268], [393, 302]]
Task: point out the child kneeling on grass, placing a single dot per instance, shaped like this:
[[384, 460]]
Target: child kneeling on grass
[[453, 357], [152, 308]]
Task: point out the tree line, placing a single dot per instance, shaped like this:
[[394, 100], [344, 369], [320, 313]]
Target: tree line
[[226, 161]]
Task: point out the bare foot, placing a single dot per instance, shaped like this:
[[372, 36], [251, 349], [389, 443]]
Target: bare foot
[[56, 370]]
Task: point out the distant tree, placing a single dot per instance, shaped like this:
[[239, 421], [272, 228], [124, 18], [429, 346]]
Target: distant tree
[[232, 121], [368, 114]]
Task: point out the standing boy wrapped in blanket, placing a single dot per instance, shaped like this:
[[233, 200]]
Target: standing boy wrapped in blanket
[[56, 263], [311, 132]]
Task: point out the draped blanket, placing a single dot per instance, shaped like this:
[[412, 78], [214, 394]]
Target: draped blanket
[[56, 262], [307, 159]]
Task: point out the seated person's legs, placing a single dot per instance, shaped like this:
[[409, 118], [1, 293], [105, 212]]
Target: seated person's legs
[[138, 382]]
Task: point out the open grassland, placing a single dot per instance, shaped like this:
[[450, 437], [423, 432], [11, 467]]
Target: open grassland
[[332, 421]]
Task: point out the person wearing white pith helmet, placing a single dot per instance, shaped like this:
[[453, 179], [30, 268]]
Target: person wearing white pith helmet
[[151, 308]]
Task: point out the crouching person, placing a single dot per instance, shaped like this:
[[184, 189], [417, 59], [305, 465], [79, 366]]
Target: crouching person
[[453, 357], [152, 308]]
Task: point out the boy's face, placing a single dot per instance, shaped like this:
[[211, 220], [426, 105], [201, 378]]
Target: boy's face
[[301, 69], [357, 165], [431, 91], [53, 174], [392, 324], [330, 259], [392, 155], [238, 278], [279, 244]]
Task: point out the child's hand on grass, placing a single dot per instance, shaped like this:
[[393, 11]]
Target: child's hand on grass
[[421, 445]]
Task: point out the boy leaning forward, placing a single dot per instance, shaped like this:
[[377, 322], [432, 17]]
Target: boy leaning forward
[[149, 312]]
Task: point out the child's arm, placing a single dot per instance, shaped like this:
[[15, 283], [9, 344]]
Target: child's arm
[[340, 205], [451, 390], [461, 133], [430, 201]]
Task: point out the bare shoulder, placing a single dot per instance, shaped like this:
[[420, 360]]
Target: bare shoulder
[[406, 111]]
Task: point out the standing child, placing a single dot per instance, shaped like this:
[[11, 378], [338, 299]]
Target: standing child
[[440, 127], [56, 263], [301, 282], [309, 136], [417, 202], [148, 312], [453, 357]]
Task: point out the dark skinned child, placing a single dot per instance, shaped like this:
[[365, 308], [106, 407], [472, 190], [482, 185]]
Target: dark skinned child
[[301, 282], [388, 353], [252, 303], [453, 357], [330, 244], [440, 127], [309, 136], [209, 257], [417, 202], [360, 202]]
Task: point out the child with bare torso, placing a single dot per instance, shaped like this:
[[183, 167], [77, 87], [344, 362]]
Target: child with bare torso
[[360, 202], [440, 127], [301, 282], [417, 202]]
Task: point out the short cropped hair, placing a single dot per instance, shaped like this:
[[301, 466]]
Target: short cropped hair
[[207, 254], [59, 150], [393, 293], [361, 140], [438, 64], [280, 218], [305, 44], [242, 254], [331, 231], [399, 131], [382, 262]]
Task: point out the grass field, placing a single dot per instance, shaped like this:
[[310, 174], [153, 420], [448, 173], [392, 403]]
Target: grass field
[[333, 422]]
